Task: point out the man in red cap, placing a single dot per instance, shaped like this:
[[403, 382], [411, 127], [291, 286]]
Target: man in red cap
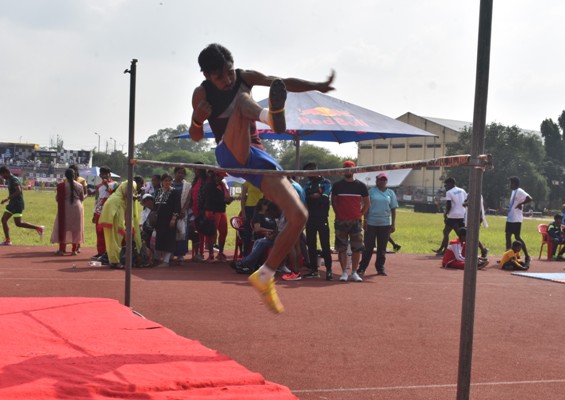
[[350, 201]]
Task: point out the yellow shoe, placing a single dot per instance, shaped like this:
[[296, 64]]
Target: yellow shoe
[[267, 291]]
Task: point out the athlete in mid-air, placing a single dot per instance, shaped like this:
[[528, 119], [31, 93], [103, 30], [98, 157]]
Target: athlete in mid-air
[[224, 99]]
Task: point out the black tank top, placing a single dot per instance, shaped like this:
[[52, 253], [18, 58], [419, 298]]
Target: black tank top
[[222, 102]]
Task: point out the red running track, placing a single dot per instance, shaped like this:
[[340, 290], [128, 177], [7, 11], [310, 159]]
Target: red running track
[[394, 337]]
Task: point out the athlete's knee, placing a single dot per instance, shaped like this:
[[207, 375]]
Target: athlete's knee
[[240, 99]]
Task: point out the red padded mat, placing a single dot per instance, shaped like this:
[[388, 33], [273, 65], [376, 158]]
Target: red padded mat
[[92, 348]]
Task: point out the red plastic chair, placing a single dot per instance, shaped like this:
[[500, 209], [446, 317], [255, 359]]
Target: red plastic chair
[[237, 224]]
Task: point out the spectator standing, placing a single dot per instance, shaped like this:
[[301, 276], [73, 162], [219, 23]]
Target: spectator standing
[[378, 224], [350, 201], [69, 220], [183, 187], [216, 197], [196, 205], [167, 201], [152, 187], [80, 179], [250, 196], [515, 216], [454, 215], [317, 190], [103, 191], [15, 207]]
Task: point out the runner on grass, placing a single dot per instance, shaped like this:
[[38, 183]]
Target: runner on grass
[[224, 99], [15, 207]]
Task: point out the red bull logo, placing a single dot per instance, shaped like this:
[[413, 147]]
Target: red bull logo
[[328, 116], [325, 112]]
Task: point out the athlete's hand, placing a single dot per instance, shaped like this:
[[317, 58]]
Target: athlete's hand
[[202, 112], [327, 85]]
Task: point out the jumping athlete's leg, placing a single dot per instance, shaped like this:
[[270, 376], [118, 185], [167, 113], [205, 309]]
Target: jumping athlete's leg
[[236, 137], [279, 188]]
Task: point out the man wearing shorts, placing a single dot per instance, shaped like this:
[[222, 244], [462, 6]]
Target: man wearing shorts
[[15, 206], [350, 201], [224, 99], [454, 215], [515, 215]]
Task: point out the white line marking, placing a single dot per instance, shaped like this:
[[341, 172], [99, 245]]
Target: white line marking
[[427, 386]]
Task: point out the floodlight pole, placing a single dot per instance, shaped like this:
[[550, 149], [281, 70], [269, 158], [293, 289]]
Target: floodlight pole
[[474, 201], [129, 208]]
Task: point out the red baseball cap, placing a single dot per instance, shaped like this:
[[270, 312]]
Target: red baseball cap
[[348, 164]]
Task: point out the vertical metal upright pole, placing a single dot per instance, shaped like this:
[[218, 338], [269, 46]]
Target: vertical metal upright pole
[[130, 204], [474, 200]]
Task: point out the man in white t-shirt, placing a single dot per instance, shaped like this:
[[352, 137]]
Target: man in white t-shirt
[[454, 215], [515, 215]]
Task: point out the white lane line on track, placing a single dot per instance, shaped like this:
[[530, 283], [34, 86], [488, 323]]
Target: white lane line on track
[[537, 382]]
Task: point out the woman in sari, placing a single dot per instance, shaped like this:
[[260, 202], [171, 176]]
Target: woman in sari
[[69, 221], [183, 187], [167, 202], [112, 220]]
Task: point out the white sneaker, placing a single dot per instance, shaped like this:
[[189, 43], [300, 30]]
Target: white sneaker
[[344, 277], [356, 278]]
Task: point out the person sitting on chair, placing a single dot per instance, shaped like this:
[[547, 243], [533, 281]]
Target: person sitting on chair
[[556, 235]]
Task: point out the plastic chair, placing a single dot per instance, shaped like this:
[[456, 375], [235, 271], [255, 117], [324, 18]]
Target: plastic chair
[[545, 240], [237, 224]]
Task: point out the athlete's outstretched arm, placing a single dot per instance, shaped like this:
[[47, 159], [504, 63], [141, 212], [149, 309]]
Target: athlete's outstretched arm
[[255, 78]]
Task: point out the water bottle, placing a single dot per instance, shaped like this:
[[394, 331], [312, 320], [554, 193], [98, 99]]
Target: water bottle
[[95, 264]]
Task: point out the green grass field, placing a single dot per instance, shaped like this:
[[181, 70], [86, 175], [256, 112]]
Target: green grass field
[[417, 232]]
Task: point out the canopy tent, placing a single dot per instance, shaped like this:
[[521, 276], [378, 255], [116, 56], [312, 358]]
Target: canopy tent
[[92, 175], [395, 177], [315, 116]]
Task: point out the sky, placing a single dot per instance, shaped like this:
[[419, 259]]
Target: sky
[[62, 63]]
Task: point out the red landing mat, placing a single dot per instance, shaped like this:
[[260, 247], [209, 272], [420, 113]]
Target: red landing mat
[[88, 348]]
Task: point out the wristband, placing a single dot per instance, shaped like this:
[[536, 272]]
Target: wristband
[[196, 124]]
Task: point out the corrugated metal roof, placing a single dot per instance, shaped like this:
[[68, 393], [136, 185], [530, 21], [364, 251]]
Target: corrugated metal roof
[[451, 123]]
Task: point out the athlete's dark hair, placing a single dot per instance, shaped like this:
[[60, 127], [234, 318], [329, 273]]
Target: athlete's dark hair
[[450, 180], [105, 170], [310, 165], [213, 58], [4, 169]]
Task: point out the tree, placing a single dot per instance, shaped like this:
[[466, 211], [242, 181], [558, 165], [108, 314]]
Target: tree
[[515, 154], [553, 142], [117, 161], [164, 141], [310, 153]]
